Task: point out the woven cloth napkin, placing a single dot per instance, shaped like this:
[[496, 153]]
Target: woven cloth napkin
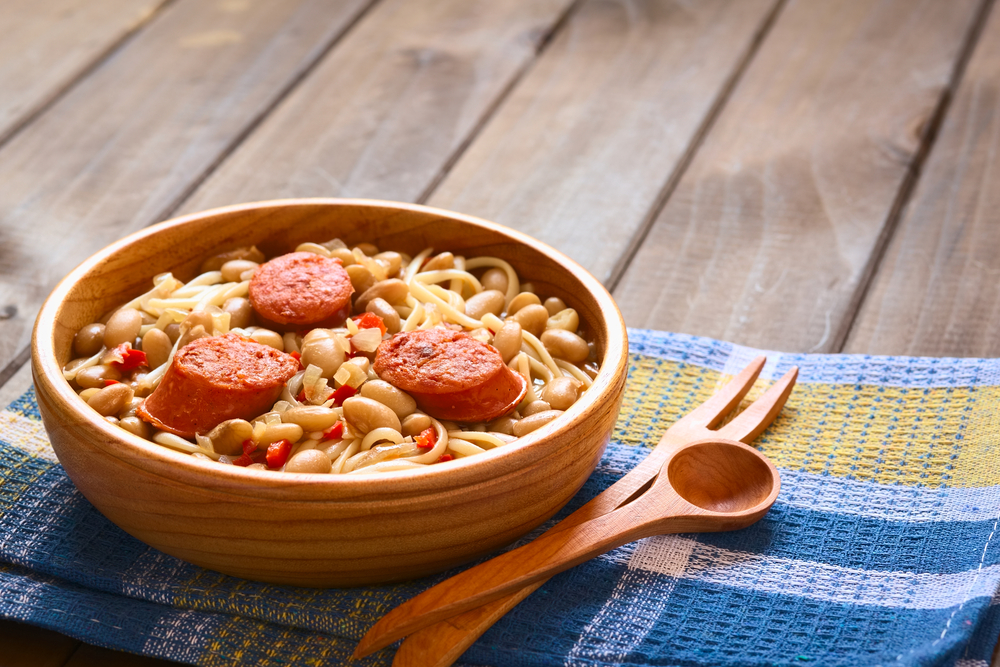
[[882, 548]]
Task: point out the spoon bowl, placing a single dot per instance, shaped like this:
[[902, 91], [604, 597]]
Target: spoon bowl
[[723, 476]]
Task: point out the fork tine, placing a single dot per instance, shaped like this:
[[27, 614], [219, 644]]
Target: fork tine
[[758, 416], [712, 411]]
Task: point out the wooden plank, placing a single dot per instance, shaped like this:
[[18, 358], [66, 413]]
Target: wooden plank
[[11, 390], [23, 645], [45, 46], [937, 291], [768, 237], [383, 115], [579, 154], [134, 137]]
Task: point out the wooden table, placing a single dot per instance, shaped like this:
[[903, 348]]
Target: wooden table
[[813, 175]]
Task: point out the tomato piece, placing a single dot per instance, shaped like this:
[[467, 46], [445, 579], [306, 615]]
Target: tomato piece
[[427, 438], [108, 383], [370, 321], [446, 457], [249, 447], [277, 453], [343, 393], [335, 432], [298, 358]]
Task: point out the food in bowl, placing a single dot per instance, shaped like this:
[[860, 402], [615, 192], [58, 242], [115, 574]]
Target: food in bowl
[[332, 359], [321, 530]]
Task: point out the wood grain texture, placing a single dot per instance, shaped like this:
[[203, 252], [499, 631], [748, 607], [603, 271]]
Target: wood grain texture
[[382, 115], [23, 645], [771, 231], [18, 383], [140, 131], [347, 530], [937, 291], [45, 46], [580, 152]]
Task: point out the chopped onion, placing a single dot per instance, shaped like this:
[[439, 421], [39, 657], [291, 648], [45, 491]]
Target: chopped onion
[[367, 340]]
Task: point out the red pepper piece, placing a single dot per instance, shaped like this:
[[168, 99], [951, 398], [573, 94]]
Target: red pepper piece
[[301, 398], [249, 447], [370, 321], [427, 439], [343, 393], [277, 453], [446, 457], [298, 358], [131, 359], [108, 383], [335, 432], [243, 460]]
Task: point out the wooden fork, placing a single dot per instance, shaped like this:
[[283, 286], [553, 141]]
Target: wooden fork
[[439, 634]]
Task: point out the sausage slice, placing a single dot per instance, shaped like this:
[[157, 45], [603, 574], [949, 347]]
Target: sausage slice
[[450, 374], [217, 378], [300, 290]]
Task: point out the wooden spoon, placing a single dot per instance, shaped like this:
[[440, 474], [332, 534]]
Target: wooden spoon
[[704, 486]]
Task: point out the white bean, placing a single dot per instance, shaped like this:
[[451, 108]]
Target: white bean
[[156, 344], [269, 338], [554, 305], [508, 340], [89, 339], [566, 345], [532, 318], [487, 301], [393, 291], [415, 424], [389, 316], [310, 460], [365, 414], [561, 392], [122, 327], [535, 407], [110, 400], [229, 436], [395, 399], [495, 279]]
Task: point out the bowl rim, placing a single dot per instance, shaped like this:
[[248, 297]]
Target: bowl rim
[[150, 456]]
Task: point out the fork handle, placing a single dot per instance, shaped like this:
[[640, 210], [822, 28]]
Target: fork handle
[[441, 644], [550, 554]]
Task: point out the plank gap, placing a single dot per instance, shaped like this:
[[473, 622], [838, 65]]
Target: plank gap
[[497, 103], [13, 366], [696, 141], [908, 187]]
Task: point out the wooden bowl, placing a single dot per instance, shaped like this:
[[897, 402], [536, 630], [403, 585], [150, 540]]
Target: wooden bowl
[[321, 530]]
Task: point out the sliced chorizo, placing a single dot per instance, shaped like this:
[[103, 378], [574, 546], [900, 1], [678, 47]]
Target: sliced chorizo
[[215, 379], [450, 374], [301, 290]]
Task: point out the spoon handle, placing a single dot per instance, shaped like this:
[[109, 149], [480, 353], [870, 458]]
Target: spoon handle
[[550, 554]]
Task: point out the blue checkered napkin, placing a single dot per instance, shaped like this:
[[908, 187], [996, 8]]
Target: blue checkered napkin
[[881, 550]]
